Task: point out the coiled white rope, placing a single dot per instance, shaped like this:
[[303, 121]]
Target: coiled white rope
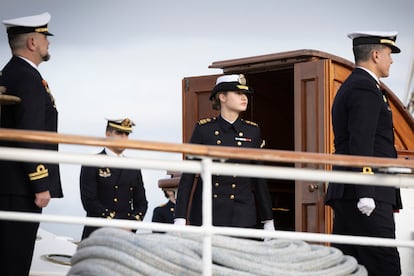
[[112, 252]]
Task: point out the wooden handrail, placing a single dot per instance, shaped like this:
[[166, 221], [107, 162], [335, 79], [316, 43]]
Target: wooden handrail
[[269, 155]]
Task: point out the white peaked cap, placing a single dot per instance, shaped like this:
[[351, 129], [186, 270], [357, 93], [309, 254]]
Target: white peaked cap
[[228, 78], [28, 21], [29, 24], [375, 37], [392, 34]]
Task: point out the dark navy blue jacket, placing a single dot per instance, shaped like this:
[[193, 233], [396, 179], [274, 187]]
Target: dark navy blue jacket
[[112, 193], [362, 125], [164, 213], [37, 111], [236, 200]]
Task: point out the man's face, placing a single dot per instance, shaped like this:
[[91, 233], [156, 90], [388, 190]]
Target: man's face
[[383, 61], [118, 135], [42, 46]]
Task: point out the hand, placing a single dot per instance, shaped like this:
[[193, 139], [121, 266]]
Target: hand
[[2, 89], [179, 221], [42, 199], [126, 229], [268, 225], [366, 205]]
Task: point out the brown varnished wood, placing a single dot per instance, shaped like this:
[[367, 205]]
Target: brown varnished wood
[[203, 150]]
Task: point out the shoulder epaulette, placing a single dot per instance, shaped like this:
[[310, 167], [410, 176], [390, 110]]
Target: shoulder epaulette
[[205, 121], [250, 123]]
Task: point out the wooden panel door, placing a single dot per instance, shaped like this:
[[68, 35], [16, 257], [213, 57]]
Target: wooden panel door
[[196, 103], [311, 84], [316, 84]]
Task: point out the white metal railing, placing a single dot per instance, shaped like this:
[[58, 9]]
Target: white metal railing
[[207, 167]]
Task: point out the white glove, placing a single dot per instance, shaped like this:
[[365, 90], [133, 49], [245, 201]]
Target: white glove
[[366, 205], [179, 221], [268, 225]]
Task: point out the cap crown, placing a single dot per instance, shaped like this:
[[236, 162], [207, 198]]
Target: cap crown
[[29, 24], [375, 37], [235, 82]]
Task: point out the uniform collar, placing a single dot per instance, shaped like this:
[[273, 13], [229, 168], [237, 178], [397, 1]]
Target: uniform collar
[[111, 153], [29, 61], [371, 74], [226, 125]]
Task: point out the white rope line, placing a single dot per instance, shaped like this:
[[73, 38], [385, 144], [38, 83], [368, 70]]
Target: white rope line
[[118, 252]]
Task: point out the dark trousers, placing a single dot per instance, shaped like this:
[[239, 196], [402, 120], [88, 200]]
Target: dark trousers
[[348, 220], [17, 239], [87, 231]]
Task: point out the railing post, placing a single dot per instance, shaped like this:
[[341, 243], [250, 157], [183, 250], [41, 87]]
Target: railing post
[[207, 215]]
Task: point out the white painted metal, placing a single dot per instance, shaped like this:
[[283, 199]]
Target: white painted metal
[[206, 168]]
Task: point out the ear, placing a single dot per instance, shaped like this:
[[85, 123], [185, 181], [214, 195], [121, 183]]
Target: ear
[[375, 56], [30, 42], [222, 97]]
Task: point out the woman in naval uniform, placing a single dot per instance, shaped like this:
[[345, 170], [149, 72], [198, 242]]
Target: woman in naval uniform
[[237, 201]]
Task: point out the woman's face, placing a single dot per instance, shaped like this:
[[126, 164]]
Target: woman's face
[[234, 101]]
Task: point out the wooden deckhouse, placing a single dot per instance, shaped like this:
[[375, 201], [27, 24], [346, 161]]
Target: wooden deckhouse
[[292, 104]]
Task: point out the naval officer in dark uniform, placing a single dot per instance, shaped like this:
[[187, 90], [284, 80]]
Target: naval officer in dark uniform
[[26, 186], [111, 192], [362, 125], [234, 198], [165, 212]]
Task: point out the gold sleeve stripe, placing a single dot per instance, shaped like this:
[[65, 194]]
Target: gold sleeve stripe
[[367, 170], [41, 172]]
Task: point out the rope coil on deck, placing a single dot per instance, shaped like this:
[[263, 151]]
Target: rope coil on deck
[[111, 252]]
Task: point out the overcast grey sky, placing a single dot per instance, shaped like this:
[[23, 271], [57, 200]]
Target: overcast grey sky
[[113, 59]]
